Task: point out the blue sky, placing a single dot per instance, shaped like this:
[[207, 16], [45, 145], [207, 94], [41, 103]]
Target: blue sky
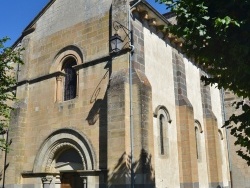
[[160, 7], [15, 15]]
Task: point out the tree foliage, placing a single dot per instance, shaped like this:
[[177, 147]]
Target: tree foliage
[[217, 35], [8, 59]]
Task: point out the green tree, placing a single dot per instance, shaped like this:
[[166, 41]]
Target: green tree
[[9, 59], [217, 35]]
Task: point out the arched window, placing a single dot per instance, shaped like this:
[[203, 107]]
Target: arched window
[[63, 66], [162, 130], [162, 134], [221, 144], [70, 81], [198, 131], [197, 141]]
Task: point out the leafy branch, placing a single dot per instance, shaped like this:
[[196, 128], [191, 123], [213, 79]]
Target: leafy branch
[[9, 59]]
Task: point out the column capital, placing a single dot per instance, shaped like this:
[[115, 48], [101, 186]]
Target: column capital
[[59, 78], [47, 179]]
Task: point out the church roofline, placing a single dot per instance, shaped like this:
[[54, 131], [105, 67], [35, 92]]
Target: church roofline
[[143, 7], [159, 21], [30, 27]]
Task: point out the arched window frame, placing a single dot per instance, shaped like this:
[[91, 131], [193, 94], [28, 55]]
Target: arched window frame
[[198, 131], [70, 52], [220, 134], [221, 147], [163, 121], [162, 134], [70, 79]]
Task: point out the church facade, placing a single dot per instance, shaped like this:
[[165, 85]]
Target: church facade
[[87, 116]]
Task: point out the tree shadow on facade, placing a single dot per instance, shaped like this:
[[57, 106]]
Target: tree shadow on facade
[[143, 172]]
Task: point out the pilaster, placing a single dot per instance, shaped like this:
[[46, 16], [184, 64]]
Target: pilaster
[[119, 125], [47, 181], [19, 120], [185, 126], [214, 162]]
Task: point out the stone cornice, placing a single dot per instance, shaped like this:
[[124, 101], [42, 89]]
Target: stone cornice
[[155, 19], [41, 78], [38, 174], [44, 174]]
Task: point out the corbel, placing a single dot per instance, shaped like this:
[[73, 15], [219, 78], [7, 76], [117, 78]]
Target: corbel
[[144, 15], [152, 22]]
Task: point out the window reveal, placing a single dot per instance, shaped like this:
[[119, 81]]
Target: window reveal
[[197, 142], [70, 80]]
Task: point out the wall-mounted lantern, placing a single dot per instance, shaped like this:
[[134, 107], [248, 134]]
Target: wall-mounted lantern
[[116, 42]]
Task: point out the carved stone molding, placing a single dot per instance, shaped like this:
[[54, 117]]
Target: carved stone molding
[[60, 141], [58, 147], [84, 181], [47, 179]]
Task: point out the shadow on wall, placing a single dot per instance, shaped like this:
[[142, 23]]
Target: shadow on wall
[[99, 112], [98, 103], [93, 115], [144, 172]]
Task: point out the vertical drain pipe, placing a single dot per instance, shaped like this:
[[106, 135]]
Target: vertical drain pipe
[[131, 94]]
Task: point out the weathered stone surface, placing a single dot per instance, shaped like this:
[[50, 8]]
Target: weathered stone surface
[[89, 136]]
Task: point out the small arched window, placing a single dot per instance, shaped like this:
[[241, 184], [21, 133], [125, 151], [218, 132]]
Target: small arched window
[[162, 134], [70, 81], [198, 131], [221, 148], [197, 140], [162, 130]]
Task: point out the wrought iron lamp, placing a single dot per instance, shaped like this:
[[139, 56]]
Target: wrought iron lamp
[[116, 42]]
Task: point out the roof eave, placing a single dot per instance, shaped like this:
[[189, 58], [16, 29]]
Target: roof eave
[[31, 26], [157, 20]]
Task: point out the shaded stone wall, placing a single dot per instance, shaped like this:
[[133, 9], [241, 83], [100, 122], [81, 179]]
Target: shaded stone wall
[[240, 171]]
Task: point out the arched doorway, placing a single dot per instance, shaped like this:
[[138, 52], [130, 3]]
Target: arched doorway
[[66, 157], [72, 180], [69, 160]]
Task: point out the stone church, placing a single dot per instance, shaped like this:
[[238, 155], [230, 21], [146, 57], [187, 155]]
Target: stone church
[[90, 115]]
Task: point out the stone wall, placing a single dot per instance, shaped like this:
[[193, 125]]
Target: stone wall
[[240, 171], [176, 85], [38, 112], [97, 122]]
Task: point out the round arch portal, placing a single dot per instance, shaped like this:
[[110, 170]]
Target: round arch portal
[[60, 141]]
